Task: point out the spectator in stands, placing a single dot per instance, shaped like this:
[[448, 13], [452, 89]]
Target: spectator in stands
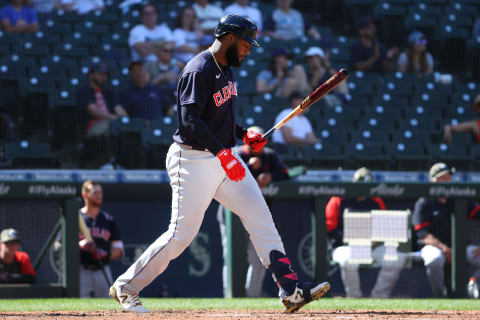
[[45, 6], [143, 37], [15, 265], [99, 101], [297, 132], [367, 54], [432, 224], [416, 59], [319, 71], [390, 270], [207, 15], [287, 23], [164, 72], [241, 7], [266, 167], [95, 274], [102, 106], [472, 126], [144, 100], [82, 6], [19, 17], [187, 36], [281, 80]]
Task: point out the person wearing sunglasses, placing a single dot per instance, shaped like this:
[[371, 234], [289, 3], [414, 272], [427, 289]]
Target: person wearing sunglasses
[[416, 59], [165, 71]]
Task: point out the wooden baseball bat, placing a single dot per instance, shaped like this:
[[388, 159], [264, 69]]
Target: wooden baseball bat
[[313, 97], [84, 229]]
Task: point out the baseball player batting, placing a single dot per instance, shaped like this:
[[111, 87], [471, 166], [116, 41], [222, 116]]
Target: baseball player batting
[[202, 166]]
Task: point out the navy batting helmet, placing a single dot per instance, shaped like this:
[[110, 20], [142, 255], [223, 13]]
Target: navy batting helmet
[[238, 25]]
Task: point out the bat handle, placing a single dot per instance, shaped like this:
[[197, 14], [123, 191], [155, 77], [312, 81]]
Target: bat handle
[[269, 133]]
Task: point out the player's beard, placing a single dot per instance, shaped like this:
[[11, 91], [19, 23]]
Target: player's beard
[[232, 56]]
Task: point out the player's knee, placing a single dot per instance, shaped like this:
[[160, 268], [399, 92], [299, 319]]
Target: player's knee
[[175, 248]]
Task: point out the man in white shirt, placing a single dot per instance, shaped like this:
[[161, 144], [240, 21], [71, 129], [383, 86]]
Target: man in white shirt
[[207, 15], [143, 37], [297, 132], [241, 7], [286, 23]]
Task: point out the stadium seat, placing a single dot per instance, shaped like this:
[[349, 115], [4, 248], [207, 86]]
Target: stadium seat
[[456, 19], [29, 154], [69, 49], [28, 48], [420, 20], [90, 27], [51, 26], [451, 31], [330, 136], [428, 7], [368, 154], [82, 39], [127, 141], [323, 155], [377, 123], [360, 87], [342, 112], [388, 8], [407, 154], [424, 111], [453, 152], [369, 135], [384, 112], [395, 87]]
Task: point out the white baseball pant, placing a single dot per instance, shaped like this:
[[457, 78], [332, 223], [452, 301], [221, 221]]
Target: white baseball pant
[[387, 277], [93, 283], [196, 177], [434, 262], [474, 261]]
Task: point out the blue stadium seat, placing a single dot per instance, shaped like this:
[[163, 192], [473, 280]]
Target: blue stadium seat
[[29, 154], [28, 48], [384, 112]]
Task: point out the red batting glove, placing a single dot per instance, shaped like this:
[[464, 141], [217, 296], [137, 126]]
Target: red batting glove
[[86, 245], [99, 254], [234, 169], [254, 140]]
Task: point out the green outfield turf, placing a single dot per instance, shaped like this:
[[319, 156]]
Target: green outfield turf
[[239, 303]]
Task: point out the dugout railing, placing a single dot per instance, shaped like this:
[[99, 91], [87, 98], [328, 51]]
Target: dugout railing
[[144, 186]]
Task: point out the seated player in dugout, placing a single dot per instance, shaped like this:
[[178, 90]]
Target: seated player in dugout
[[15, 265], [432, 223], [390, 270]]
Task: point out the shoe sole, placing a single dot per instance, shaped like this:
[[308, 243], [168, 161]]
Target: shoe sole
[[293, 307]]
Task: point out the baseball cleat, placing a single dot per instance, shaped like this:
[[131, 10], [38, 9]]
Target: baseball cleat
[[307, 292], [129, 302]]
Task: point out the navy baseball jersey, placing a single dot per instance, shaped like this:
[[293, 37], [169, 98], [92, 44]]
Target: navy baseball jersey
[[213, 91], [103, 230]]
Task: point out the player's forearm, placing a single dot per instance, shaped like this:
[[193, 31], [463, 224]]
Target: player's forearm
[[431, 240], [192, 121], [367, 64], [116, 253], [468, 126]]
